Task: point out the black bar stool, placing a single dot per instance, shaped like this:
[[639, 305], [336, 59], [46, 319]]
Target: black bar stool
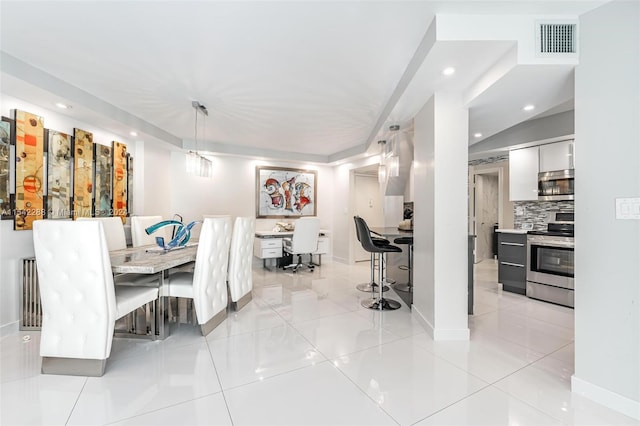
[[371, 286], [408, 286], [381, 304]]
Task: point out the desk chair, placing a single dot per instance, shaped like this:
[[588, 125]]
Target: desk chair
[[304, 241], [80, 304], [371, 286], [207, 284], [381, 304]]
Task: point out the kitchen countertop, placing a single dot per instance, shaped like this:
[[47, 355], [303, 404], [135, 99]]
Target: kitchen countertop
[[513, 231]]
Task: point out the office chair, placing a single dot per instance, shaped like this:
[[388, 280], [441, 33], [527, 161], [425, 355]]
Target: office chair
[[304, 241]]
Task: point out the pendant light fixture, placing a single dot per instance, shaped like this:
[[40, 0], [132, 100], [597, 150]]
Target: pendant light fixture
[[382, 168], [197, 165], [394, 158]]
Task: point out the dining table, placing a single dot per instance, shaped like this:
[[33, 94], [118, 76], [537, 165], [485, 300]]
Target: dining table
[[154, 260]]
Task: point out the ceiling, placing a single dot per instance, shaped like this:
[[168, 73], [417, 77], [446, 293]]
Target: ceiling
[[320, 81]]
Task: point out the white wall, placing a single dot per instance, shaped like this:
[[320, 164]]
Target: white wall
[[607, 254]]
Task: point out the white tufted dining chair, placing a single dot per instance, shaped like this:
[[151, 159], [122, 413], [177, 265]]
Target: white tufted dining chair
[[138, 235], [116, 240], [113, 231], [80, 303], [207, 284], [240, 259]]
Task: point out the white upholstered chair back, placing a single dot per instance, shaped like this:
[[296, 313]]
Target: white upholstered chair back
[[76, 289], [113, 231], [240, 257], [305, 235], [140, 238], [210, 273]]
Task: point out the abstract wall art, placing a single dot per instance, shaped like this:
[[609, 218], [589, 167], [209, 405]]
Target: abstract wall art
[[29, 169], [103, 180], [120, 180], [59, 165], [7, 132], [82, 173], [285, 192]]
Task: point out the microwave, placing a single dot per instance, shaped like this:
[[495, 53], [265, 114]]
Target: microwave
[[556, 185]]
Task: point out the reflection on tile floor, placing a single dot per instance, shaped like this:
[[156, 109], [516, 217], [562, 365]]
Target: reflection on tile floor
[[305, 352]]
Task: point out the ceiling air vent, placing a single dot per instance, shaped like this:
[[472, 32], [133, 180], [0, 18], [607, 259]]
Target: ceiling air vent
[[556, 38]]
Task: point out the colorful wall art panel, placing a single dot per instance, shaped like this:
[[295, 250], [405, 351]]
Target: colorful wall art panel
[[284, 192], [83, 173], [58, 175], [29, 169], [103, 180], [7, 130], [129, 184], [120, 180]]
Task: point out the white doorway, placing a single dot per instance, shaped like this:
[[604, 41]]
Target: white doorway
[[367, 203], [484, 211]]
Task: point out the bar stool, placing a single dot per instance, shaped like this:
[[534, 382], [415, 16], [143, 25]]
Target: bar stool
[[381, 304], [371, 286], [408, 286]]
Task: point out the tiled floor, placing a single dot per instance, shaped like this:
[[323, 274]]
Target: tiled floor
[[305, 352]]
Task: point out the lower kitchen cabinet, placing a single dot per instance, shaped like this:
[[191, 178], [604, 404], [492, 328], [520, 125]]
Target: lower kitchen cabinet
[[512, 262]]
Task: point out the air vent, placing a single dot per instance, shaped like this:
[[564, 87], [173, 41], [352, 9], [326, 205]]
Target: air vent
[[556, 38]]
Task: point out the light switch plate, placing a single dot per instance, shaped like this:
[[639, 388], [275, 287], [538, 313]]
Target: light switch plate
[[628, 208]]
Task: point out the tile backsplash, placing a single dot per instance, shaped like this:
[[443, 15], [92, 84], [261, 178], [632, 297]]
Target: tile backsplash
[[539, 213]]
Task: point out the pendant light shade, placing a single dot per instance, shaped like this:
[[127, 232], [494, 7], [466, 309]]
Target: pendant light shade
[[197, 165]]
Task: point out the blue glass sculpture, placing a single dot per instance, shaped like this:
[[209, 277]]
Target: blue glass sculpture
[[182, 235]]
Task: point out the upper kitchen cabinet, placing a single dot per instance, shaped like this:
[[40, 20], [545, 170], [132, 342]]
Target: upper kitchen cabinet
[[556, 156], [523, 174]]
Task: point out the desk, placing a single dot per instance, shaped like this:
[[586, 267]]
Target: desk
[[268, 245], [150, 260]]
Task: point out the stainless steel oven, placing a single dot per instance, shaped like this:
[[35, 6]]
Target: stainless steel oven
[[550, 266]]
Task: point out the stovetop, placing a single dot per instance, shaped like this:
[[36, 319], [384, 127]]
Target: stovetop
[[552, 233]]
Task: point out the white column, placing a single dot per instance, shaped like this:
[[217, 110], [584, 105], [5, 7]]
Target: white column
[[607, 254], [440, 217]]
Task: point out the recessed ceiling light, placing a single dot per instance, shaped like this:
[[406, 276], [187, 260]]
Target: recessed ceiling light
[[133, 133], [448, 71], [477, 135], [63, 106], [529, 107]]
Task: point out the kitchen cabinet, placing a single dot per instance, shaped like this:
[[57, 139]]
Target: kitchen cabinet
[[557, 156], [512, 262], [523, 174]]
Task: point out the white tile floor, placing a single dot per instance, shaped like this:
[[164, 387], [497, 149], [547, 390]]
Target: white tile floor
[[305, 352]]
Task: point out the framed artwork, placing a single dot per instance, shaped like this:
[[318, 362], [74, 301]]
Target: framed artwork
[[284, 192], [120, 180], [59, 156], [7, 142], [103, 180], [129, 184], [29, 171], [82, 173]]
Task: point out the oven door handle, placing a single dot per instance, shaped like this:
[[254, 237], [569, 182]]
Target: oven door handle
[[551, 244], [512, 264]]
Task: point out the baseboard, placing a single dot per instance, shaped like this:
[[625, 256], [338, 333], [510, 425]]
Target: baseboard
[[439, 333], [602, 396], [10, 328], [339, 259]]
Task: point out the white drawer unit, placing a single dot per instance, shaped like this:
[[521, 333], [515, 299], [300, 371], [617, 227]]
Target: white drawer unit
[[267, 248], [323, 245]]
